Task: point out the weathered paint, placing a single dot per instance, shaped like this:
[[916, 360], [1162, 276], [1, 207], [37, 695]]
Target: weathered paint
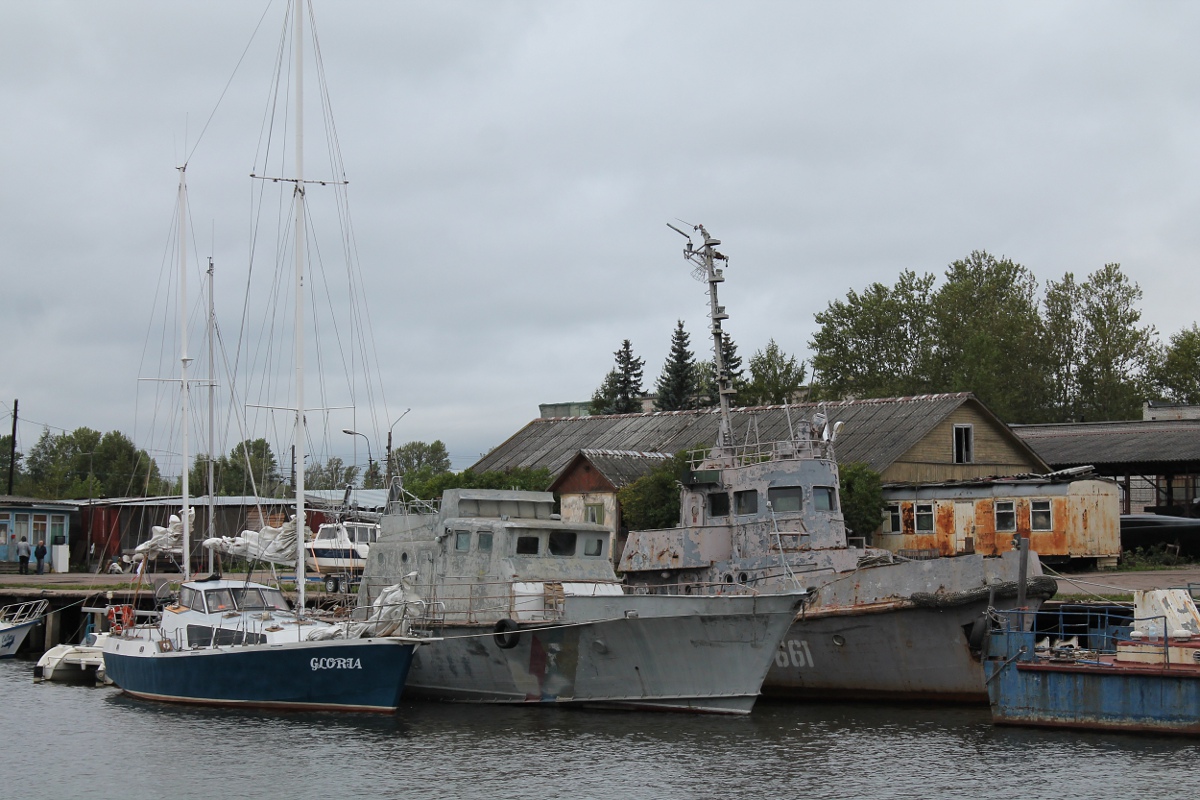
[[1085, 518]]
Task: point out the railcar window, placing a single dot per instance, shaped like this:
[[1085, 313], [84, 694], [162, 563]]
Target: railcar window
[[1006, 516], [1039, 516], [925, 517]]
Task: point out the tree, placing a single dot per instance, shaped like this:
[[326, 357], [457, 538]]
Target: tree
[[862, 498], [652, 501], [1178, 373], [621, 392], [84, 463], [1063, 337], [373, 476], [677, 386], [333, 474], [413, 456], [251, 459], [706, 374], [1118, 355], [988, 338], [875, 344], [775, 377], [426, 485]]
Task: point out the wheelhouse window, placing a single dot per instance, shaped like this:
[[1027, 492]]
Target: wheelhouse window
[[462, 541], [746, 502], [824, 498], [924, 518], [327, 532], [190, 598], [594, 512], [561, 543], [892, 519], [485, 541], [718, 504], [964, 444], [1039, 516], [219, 600], [252, 597], [1006, 515], [528, 545], [593, 546], [785, 499]]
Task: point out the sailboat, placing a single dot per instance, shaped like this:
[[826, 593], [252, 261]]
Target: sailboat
[[240, 643]]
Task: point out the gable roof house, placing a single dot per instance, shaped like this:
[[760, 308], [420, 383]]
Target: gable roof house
[[926, 438]]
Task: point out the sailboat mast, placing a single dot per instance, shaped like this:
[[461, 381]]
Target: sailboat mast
[[184, 386], [299, 321], [212, 403]]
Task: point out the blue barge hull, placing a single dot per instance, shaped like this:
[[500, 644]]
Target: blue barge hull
[[1095, 691], [349, 675]]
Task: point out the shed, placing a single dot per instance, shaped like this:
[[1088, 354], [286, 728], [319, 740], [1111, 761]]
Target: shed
[[36, 520]]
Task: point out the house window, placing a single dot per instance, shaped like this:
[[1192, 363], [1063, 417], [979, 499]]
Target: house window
[[718, 505], [746, 502], [594, 512], [1039, 516], [891, 518], [964, 444], [58, 529], [785, 498], [485, 542], [39, 528], [462, 540], [925, 517], [562, 543], [824, 498], [1006, 516], [527, 545]]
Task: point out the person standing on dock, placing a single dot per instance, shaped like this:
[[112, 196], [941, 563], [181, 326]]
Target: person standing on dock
[[23, 556], [39, 553]]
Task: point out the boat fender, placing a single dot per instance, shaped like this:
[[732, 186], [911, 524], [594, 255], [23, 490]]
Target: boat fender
[[978, 630], [507, 634]]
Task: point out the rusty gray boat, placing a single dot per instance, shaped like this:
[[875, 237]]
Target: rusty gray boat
[[766, 515], [529, 610]]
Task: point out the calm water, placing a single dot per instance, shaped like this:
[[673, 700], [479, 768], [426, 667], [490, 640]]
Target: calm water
[[78, 742]]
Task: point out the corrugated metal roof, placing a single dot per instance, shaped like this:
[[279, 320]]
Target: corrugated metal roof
[[877, 431], [1128, 442]]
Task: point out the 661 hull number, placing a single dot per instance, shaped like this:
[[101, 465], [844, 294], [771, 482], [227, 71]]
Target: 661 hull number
[[794, 653]]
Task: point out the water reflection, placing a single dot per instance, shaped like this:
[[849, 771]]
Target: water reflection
[[99, 744]]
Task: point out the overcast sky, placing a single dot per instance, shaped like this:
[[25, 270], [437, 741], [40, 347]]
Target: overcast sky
[[512, 166]]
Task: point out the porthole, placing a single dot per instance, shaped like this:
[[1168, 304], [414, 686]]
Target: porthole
[[404, 558], [743, 578], [839, 640]]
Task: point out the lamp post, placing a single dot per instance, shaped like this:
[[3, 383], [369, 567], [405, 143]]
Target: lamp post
[[365, 439], [388, 471]]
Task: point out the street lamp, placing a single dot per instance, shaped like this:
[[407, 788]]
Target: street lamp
[[388, 471], [367, 440]]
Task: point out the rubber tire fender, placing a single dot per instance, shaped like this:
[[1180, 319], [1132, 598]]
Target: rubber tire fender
[[507, 633]]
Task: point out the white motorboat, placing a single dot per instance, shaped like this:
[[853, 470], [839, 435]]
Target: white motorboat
[[16, 620]]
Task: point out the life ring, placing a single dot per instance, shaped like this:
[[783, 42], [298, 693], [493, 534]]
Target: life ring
[[507, 633], [120, 617]]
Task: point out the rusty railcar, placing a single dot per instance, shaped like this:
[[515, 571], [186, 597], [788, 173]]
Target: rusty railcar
[[1065, 517]]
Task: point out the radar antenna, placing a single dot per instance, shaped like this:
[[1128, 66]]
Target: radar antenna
[[703, 269]]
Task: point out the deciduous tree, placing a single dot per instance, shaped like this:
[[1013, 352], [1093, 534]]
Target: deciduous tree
[[775, 377]]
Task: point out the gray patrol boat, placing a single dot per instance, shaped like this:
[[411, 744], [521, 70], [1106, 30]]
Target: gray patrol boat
[[767, 515], [529, 610]]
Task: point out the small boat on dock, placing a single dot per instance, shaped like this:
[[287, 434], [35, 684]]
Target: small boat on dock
[[16, 620], [1099, 667]]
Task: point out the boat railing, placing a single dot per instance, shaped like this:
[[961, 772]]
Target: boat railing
[[20, 613], [758, 452], [1077, 633], [696, 588]]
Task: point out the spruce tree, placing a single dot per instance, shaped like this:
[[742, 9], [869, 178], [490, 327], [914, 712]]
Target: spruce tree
[[677, 385], [628, 395]]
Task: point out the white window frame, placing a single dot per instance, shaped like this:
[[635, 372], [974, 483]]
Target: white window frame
[[931, 514], [1049, 510], [1011, 511], [966, 453]]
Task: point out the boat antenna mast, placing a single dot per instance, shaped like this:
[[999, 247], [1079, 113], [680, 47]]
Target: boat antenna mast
[[704, 259]]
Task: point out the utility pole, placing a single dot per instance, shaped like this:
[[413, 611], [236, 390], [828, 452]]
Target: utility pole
[[12, 449]]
